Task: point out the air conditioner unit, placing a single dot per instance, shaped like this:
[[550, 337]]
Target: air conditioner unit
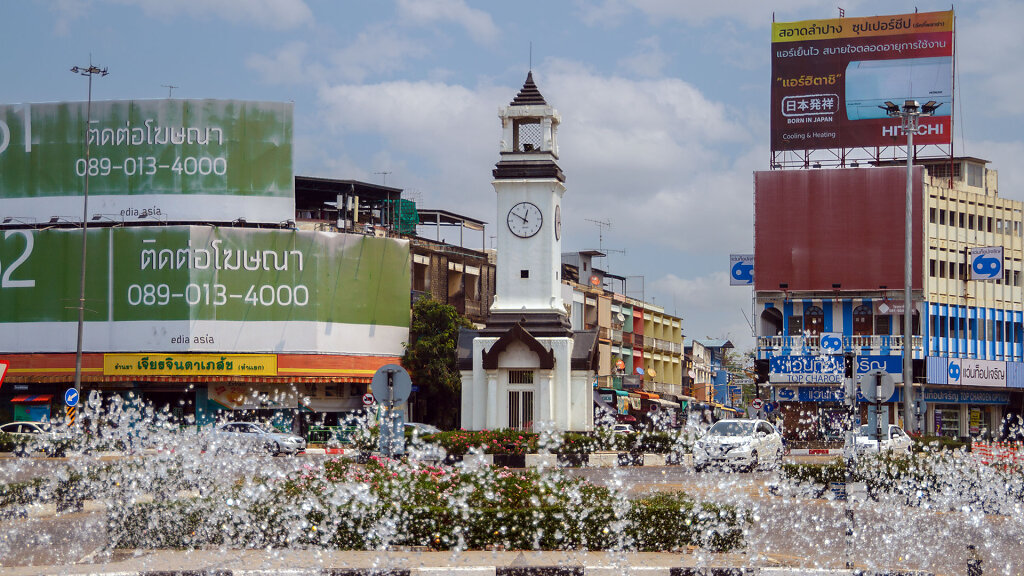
[[870, 83]]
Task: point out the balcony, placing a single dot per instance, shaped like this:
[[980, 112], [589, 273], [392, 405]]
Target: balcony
[[874, 345]]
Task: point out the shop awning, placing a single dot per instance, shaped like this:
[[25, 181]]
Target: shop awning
[[33, 399]]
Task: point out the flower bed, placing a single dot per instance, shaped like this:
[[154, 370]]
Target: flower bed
[[460, 442], [385, 503]]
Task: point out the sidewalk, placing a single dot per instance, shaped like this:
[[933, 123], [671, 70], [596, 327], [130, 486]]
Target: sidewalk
[[395, 563]]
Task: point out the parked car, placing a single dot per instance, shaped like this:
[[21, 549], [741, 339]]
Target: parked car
[[249, 436], [739, 444], [33, 436], [623, 429], [420, 429], [894, 439]]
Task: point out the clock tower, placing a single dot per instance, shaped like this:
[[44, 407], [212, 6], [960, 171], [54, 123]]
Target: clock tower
[[528, 368]]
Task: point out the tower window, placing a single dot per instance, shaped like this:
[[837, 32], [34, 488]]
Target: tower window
[[524, 273], [528, 135]]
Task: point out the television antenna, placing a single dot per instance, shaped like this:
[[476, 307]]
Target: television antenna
[[601, 225], [170, 88]]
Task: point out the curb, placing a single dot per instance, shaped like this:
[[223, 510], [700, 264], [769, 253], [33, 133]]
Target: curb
[[562, 570]]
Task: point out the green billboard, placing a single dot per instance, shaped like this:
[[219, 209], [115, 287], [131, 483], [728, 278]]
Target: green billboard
[[161, 160], [204, 288]]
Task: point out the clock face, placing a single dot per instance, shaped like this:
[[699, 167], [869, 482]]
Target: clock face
[[525, 219], [558, 222]]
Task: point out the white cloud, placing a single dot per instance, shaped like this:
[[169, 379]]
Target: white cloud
[[752, 13], [991, 70], [288, 66], [275, 14], [477, 23]]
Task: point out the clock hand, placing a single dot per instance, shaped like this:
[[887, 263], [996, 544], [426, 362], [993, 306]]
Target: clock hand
[[521, 217]]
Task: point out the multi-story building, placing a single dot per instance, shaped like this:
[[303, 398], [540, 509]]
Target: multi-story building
[[641, 347], [829, 260]]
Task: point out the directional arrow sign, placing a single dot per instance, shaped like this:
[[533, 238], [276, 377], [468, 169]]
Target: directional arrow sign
[[741, 269], [71, 397]]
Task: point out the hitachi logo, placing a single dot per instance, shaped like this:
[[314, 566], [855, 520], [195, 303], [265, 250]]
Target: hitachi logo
[[923, 130]]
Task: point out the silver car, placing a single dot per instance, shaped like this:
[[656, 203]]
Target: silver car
[[246, 436], [741, 444]]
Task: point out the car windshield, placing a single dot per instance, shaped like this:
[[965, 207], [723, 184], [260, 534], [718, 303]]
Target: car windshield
[[726, 428]]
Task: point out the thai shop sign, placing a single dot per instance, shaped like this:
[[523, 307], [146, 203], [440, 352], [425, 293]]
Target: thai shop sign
[[189, 365], [177, 289], [823, 369], [149, 160], [967, 372]]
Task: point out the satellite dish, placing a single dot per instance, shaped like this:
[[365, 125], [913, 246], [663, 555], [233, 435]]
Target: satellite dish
[[620, 317], [639, 370], [652, 373], [620, 365], [595, 280]]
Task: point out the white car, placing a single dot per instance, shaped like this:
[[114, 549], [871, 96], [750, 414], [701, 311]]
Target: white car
[[246, 436], [623, 429], [33, 435], [894, 439], [740, 444]]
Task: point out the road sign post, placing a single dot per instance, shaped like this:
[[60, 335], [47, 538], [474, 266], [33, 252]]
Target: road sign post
[[391, 386]]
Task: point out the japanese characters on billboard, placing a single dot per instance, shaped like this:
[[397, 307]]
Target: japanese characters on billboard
[[176, 289], [831, 80], [148, 161]]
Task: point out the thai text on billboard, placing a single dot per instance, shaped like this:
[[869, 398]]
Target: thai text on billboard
[[204, 289], [831, 80], [148, 161]]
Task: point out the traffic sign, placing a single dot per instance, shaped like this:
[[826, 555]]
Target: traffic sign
[[3, 370], [770, 407], [71, 397], [877, 386], [367, 399], [757, 403], [391, 383]]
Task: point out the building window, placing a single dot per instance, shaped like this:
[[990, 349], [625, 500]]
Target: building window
[[931, 215], [974, 175], [862, 319], [961, 219], [942, 217], [520, 409], [970, 221], [814, 320], [520, 376], [989, 228], [883, 325], [942, 268], [796, 325], [931, 268]]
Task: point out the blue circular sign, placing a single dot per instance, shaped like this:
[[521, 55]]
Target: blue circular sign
[[71, 397]]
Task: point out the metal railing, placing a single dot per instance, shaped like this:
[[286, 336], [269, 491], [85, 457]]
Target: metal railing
[[811, 345]]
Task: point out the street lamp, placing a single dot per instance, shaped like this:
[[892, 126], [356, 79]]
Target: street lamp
[[909, 115], [89, 72]]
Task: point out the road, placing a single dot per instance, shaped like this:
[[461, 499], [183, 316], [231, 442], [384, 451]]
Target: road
[[788, 528]]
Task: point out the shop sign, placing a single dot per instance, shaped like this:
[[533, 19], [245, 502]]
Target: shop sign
[[967, 372], [189, 364], [822, 369], [954, 396], [821, 394]]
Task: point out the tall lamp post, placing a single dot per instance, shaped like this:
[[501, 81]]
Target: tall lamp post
[[89, 72], [909, 115]]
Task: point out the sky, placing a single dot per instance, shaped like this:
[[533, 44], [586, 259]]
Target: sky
[[664, 104]]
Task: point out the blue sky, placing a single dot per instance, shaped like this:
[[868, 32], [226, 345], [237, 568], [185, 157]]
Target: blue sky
[[664, 103]]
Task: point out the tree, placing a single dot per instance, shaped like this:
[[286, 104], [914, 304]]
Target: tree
[[430, 358]]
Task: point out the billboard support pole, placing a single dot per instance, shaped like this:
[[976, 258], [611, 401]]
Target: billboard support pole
[[89, 72], [909, 116]]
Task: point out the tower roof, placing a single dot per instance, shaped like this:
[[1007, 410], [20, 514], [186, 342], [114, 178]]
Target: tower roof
[[529, 95]]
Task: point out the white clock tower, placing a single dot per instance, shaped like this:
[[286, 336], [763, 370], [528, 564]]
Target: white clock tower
[[527, 366]]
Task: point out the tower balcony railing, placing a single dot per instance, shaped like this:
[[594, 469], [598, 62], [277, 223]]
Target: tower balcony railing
[[880, 345]]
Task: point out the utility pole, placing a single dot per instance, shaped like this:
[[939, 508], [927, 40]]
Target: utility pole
[[89, 72]]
